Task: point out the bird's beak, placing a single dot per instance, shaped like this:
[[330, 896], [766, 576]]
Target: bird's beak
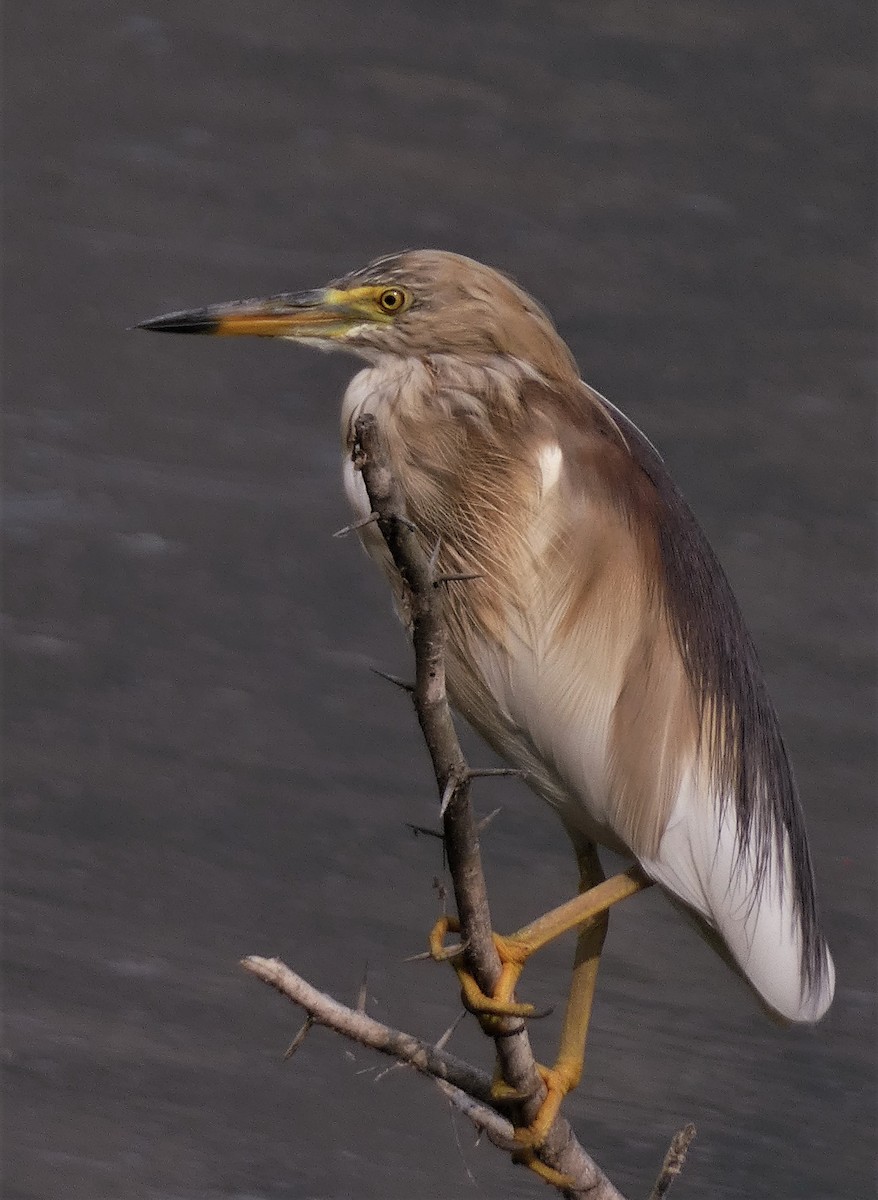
[[324, 313]]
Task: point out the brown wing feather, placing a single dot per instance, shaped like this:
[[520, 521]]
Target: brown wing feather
[[740, 734]]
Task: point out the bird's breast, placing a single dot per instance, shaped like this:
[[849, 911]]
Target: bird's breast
[[538, 644]]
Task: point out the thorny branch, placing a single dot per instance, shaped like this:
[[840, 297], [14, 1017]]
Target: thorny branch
[[561, 1151], [466, 1087]]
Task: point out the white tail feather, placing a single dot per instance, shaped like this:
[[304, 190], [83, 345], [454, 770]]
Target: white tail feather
[[700, 863]]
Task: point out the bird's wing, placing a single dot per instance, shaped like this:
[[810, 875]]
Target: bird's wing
[[734, 846]]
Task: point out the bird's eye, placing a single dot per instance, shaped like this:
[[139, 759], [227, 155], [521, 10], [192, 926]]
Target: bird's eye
[[392, 300]]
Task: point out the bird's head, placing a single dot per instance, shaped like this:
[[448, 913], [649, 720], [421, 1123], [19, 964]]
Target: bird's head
[[414, 304]]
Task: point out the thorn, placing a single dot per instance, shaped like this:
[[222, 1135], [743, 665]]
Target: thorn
[[387, 1070], [394, 679], [450, 788], [456, 780], [490, 772], [448, 952], [446, 1036], [463, 577], [418, 829], [486, 821], [360, 1006], [299, 1038], [355, 525]]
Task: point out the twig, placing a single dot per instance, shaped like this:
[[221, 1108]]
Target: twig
[[325, 1010], [492, 772], [456, 781], [486, 1120], [674, 1161]]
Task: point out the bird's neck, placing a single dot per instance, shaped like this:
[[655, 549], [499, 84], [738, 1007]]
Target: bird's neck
[[460, 441]]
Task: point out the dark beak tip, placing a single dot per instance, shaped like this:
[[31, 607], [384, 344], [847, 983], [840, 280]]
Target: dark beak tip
[[181, 322]]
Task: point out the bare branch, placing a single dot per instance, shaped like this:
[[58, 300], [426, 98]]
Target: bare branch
[[325, 1010]]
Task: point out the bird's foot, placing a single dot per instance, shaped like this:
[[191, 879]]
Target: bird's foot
[[489, 1009], [558, 1081]]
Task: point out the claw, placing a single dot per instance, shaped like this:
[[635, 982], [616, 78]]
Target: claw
[[526, 1157], [488, 1008], [503, 1092], [559, 1080]]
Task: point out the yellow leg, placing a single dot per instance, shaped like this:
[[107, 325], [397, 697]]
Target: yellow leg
[[565, 1075], [589, 911]]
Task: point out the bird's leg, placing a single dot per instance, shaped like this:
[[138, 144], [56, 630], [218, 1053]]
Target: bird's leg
[[589, 912], [565, 1075]]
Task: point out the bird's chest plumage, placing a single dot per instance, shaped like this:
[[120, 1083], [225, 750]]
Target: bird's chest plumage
[[540, 694]]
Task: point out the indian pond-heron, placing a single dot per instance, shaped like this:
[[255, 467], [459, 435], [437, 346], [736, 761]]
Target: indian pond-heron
[[599, 648]]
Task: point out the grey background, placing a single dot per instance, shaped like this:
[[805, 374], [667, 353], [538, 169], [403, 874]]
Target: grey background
[[199, 763]]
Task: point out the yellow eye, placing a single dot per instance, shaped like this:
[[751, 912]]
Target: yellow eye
[[392, 300]]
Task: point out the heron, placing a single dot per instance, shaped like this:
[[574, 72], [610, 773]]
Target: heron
[[596, 646]]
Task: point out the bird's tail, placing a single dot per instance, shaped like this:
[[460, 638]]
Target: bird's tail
[[749, 898]]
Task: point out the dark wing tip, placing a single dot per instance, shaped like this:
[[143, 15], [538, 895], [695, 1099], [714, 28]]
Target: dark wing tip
[[197, 321]]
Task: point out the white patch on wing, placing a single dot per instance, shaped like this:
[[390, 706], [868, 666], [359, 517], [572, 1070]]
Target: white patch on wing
[[551, 461]]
